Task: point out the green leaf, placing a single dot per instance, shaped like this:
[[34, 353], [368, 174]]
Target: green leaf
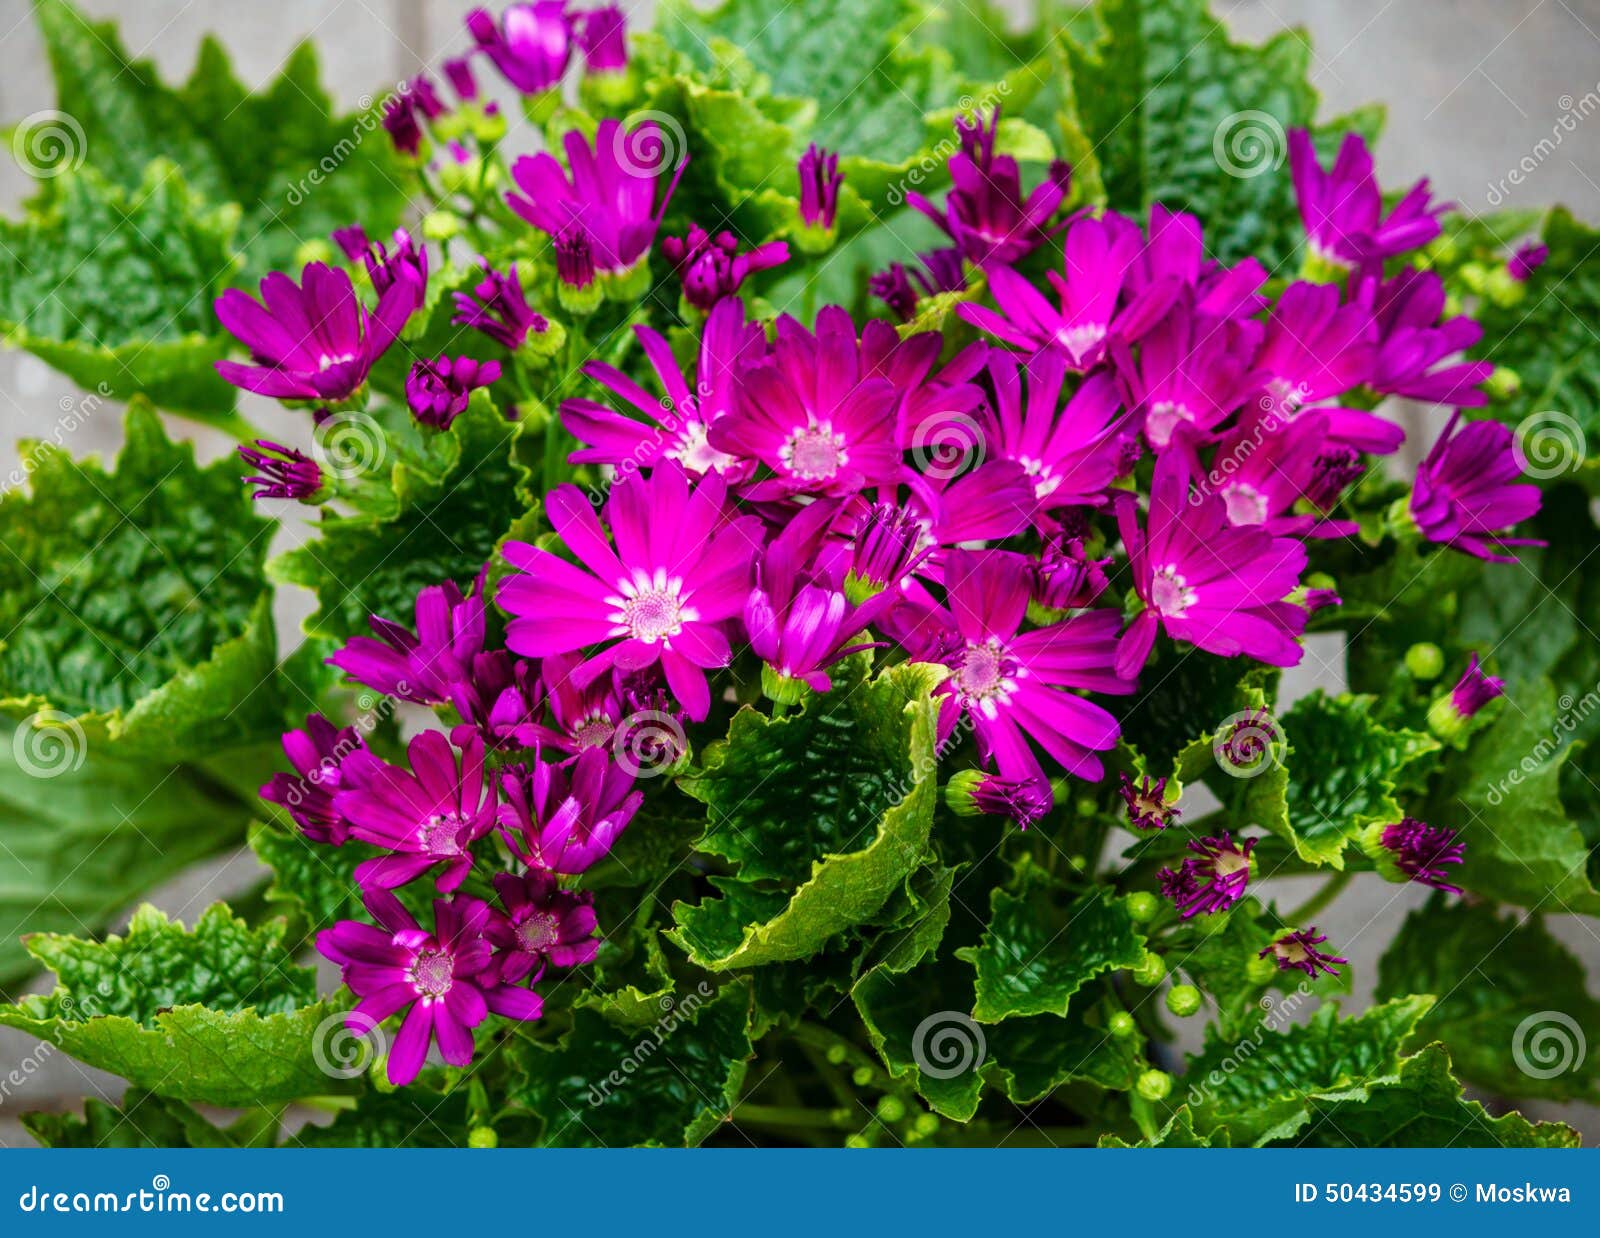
[[1504, 795], [1259, 1087], [1219, 962], [669, 1085], [1179, 1132], [295, 168], [113, 287], [411, 1117], [1344, 769], [311, 881], [133, 603], [1180, 114], [1513, 1008], [1545, 336], [221, 1015], [145, 1120], [860, 761], [1420, 1106], [1039, 948], [447, 527], [79, 845]]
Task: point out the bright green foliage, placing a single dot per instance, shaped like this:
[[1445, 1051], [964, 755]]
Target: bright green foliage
[[1512, 1007], [219, 1015]]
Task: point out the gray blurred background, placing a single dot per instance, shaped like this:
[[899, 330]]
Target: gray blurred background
[[1471, 87]]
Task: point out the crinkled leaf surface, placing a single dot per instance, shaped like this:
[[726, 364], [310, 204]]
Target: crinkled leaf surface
[[132, 600], [1040, 947], [823, 812], [220, 1015]]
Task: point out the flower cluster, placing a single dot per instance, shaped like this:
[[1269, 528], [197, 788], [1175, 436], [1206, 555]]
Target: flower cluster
[[800, 493]]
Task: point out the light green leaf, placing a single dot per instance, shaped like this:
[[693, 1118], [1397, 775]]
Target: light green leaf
[[145, 1120], [221, 1015]]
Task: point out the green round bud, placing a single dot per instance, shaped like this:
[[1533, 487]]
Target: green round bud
[[960, 790], [1503, 383], [861, 1076], [891, 1109], [1321, 580], [1078, 863], [856, 1141], [1444, 719], [580, 301], [488, 127], [1142, 906], [1183, 1000], [1151, 970], [1474, 275], [840, 1117], [316, 250], [1502, 289], [441, 225], [1260, 970], [926, 1124], [537, 347], [482, 1137], [813, 239], [1121, 1024], [1154, 1085], [836, 1055], [460, 177], [1425, 660], [628, 286]]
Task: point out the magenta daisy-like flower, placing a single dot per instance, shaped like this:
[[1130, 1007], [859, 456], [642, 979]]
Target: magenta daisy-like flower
[[602, 33], [1213, 879], [1192, 371], [1297, 951], [1090, 308], [420, 666], [426, 815], [1264, 465], [498, 308], [313, 340], [1175, 254], [1413, 341], [1419, 851], [1342, 207], [564, 818], [438, 390], [1148, 808], [317, 753], [711, 267], [543, 924], [1071, 453], [813, 413], [530, 45], [1469, 492], [985, 213], [1017, 686], [610, 191], [281, 472], [444, 979], [678, 572], [1217, 585], [678, 425]]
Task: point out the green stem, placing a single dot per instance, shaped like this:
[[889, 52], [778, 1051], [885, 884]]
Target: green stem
[[1331, 889]]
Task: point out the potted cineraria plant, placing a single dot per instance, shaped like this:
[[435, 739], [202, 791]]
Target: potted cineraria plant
[[803, 567]]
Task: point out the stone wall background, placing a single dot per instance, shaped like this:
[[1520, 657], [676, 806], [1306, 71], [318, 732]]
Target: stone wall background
[[1471, 87]]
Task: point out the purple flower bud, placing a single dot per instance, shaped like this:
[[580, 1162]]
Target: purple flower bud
[[1468, 491], [400, 121], [1475, 689], [819, 187], [281, 472], [1420, 851], [530, 46], [893, 288], [353, 242], [426, 96], [602, 34], [438, 390], [499, 310], [1528, 258], [711, 266], [458, 72], [972, 792], [574, 259]]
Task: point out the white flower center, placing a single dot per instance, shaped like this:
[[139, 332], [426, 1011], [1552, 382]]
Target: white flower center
[[1080, 339], [1163, 419], [1169, 591], [1245, 504], [814, 452], [694, 451], [651, 608], [986, 677], [433, 974], [440, 834]]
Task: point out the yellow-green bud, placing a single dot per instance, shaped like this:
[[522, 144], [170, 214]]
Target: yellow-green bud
[[1183, 1000], [482, 1137], [1142, 906], [1425, 660], [1121, 1024], [891, 1109], [1154, 1085], [441, 225], [1151, 970], [784, 689]]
